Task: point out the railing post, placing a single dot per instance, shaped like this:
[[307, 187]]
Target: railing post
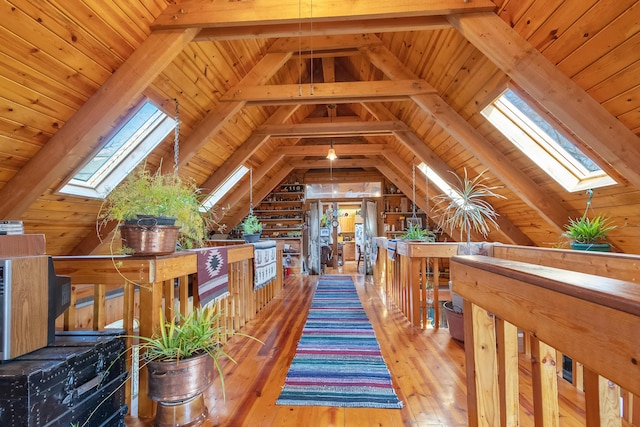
[[508, 373], [544, 376], [602, 400], [482, 366]]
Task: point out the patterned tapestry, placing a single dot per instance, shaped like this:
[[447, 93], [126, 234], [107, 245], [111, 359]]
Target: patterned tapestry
[[265, 265], [213, 277]]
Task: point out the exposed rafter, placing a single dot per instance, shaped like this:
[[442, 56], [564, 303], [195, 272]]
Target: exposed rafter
[[318, 93], [331, 129], [355, 26], [196, 13]]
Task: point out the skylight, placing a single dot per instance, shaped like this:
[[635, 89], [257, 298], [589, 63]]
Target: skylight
[[443, 185], [124, 150], [543, 143], [224, 188]]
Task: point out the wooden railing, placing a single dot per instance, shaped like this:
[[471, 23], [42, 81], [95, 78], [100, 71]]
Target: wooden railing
[[413, 276], [149, 285], [584, 305]]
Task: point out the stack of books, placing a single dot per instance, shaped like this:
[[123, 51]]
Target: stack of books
[[11, 227]]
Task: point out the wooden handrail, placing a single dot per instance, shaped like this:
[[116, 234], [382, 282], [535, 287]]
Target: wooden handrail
[[593, 319], [152, 281], [414, 263]]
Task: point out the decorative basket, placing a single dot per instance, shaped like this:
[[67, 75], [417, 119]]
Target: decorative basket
[[152, 240]]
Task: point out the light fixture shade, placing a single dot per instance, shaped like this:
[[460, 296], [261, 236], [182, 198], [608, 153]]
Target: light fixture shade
[[331, 155]]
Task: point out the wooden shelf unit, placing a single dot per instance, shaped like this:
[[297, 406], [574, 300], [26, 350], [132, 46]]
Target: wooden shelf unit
[[282, 216]]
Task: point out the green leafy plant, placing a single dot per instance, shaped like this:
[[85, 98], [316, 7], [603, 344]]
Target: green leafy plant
[[467, 209], [200, 332], [589, 231], [415, 232], [161, 195], [251, 225], [586, 230]]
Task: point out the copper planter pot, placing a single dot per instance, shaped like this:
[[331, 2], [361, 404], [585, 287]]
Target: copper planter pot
[[178, 388], [150, 240]]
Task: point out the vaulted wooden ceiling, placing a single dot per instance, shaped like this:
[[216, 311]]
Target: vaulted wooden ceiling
[[254, 79]]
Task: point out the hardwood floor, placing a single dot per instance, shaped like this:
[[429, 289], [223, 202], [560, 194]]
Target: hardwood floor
[[427, 368]]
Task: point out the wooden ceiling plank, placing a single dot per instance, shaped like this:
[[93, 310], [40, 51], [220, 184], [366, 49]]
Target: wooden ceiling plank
[[77, 139], [218, 117], [203, 14], [321, 92], [556, 92], [553, 212], [357, 26]]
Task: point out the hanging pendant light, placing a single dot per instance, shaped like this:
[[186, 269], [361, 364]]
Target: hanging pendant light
[[331, 155]]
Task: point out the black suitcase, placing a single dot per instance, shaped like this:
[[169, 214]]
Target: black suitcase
[[79, 376]]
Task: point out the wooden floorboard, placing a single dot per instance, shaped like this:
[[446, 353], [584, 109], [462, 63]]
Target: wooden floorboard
[[427, 368]]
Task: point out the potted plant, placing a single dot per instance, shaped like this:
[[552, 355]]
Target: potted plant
[[466, 210], [415, 232], [251, 228], [589, 234], [146, 205], [180, 359]]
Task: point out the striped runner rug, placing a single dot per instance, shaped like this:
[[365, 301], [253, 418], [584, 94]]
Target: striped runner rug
[[338, 360]]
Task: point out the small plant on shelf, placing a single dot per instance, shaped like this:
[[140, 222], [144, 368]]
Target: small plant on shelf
[[251, 228], [415, 232], [251, 225]]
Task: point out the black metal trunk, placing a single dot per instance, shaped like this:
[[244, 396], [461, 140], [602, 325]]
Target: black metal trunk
[[79, 376]]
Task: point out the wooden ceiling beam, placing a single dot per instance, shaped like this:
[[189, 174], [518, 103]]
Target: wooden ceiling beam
[[341, 150], [82, 133], [557, 93], [331, 28], [326, 130], [318, 93], [518, 182], [218, 116], [337, 164], [203, 14], [306, 44]]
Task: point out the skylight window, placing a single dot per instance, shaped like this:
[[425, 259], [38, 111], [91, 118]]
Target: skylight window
[[443, 185], [541, 141], [224, 188], [125, 149]]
